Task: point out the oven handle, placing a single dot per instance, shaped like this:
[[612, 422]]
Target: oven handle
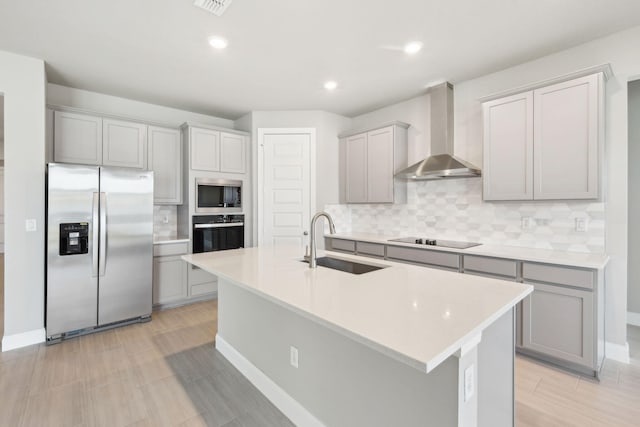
[[220, 225]]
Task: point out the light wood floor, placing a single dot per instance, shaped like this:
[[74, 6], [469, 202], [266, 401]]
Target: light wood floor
[[162, 373], [167, 373]]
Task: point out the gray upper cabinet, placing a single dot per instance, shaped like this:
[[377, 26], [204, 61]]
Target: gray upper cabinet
[[370, 160], [566, 139], [124, 144], [508, 148], [232, 153], [165, 160], [77, 138], [205, 149], [356, 185], [92, 140], [217, 151], [545, 144]]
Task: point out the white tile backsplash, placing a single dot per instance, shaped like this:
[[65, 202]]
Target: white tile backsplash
[[162, 231], [453, 209]]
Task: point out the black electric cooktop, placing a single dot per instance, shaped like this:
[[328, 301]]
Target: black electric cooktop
[[421, 241]]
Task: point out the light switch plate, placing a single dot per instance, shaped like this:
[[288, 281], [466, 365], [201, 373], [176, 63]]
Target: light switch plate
[[469, 383], [293, 357], [30, 225], [527, 223]]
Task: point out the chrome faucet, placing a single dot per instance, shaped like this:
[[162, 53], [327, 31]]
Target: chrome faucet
[[312, 239]]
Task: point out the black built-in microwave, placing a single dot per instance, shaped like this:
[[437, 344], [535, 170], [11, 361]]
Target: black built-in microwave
[[218, 195]]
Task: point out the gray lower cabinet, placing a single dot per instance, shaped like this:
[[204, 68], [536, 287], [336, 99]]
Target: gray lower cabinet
[[439, 259], [563, 318], [169, 279], [169, 273], [559, 322], [175, 282], [562, 321]]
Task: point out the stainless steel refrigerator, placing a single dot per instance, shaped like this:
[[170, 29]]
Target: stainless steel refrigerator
[[99, 248]]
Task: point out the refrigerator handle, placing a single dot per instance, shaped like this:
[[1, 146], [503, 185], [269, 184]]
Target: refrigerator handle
[[95, 226], [103, 233]]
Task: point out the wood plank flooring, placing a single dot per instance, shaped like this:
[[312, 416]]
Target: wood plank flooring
[[167, 373], [162, 373]]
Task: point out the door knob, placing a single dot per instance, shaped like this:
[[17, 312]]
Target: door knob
[[306, 233]]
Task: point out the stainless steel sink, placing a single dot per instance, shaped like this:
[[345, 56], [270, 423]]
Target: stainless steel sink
[[346, 266]]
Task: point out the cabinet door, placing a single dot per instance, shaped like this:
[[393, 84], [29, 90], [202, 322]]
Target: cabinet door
[[508, 148], [165, 160], [124, 144], [77, 138], [169, 279], [205, 149], [356, 168], [566, 139], [558, 321], [380, 165], [232, 153]]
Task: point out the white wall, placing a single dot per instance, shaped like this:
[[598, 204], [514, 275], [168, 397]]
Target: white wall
[[23, 83], [327, 126], [101, 103], [633, 294]]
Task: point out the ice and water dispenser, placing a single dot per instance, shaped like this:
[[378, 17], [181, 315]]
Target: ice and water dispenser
[[74, 238]]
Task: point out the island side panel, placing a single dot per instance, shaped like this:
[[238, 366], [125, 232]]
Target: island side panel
[[339, 381], [496, 358]]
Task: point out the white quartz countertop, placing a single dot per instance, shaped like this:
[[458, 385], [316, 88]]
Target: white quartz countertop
[[417, 315], [574, 259]]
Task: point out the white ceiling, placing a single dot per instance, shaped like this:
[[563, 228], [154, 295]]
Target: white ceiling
[[282, 51]]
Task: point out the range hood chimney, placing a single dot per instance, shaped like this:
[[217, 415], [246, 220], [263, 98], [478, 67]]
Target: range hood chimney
[[441, 163]]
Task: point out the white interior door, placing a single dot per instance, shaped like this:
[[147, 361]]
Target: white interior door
[[285, 195]]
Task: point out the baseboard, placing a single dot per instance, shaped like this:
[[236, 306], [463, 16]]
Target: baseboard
[[287, 404], [12, 342], [617, 352], [633, 318]]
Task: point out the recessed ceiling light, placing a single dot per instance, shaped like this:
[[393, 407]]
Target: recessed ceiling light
[[412, 48], [330, 85], [218, 42]]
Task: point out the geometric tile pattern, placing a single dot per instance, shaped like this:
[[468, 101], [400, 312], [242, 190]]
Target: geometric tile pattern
[[453, 209]]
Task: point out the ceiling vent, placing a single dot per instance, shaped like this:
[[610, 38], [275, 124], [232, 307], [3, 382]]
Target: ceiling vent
[[217, 7]]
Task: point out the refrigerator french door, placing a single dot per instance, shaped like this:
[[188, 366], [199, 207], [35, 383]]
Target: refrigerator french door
[[99, 247]]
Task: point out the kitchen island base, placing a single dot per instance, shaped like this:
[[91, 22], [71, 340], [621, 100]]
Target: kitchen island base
[[341, 381]]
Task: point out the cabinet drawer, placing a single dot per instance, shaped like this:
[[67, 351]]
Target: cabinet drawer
[[198, 276], [370, 249], [170, 249], [500, 267], [444, 259], [343, 245], [579, 278], [204, 288]]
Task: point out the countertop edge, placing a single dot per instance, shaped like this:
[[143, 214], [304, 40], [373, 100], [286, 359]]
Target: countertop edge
[[424, 366], [486, 250]]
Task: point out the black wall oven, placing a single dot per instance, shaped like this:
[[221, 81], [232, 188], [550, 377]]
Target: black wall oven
[[217, 233]]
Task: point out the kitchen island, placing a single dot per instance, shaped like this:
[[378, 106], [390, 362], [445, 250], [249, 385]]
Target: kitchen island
[[403, 345]]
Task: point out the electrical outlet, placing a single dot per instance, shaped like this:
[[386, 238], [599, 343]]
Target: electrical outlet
[[581, 225], [165, 219], [469, 383], [30, 225], [527, 223], [293, 356]]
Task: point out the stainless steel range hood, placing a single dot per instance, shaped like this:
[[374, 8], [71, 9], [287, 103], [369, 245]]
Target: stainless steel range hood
[[441, 163]]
